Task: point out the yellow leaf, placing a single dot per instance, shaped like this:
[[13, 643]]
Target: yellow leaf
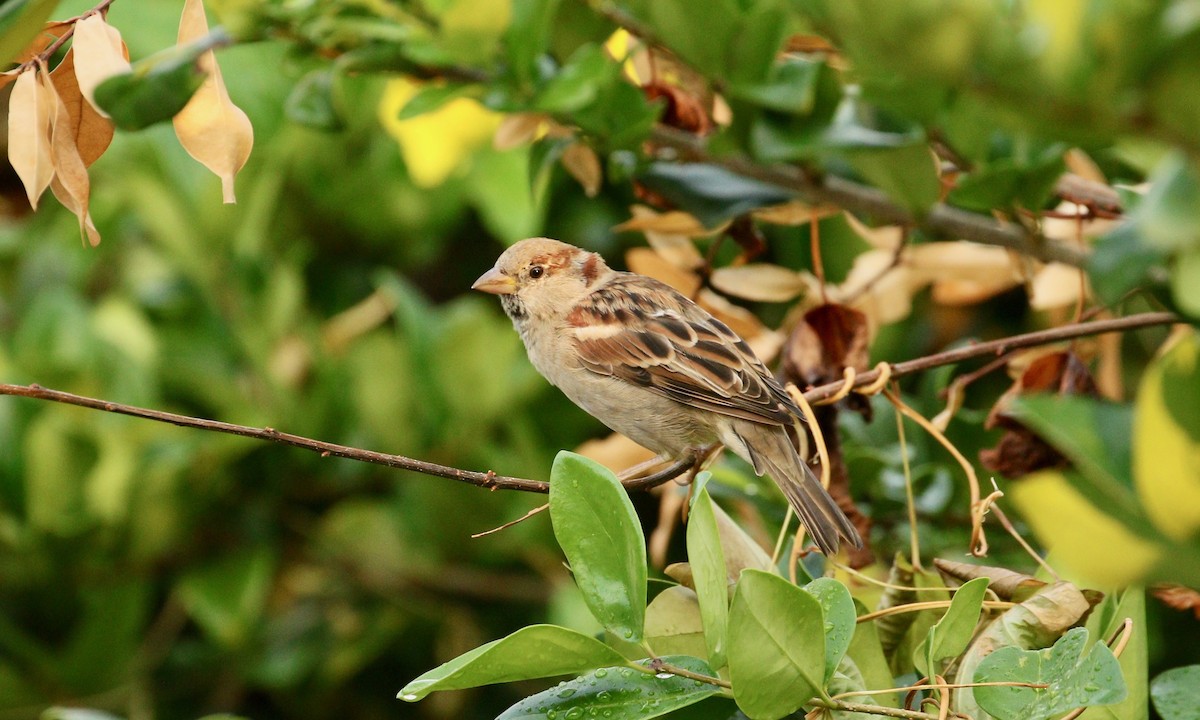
[[210, 127], [760, 282], [1166, 440], [101, 55], [70, 184], [581, 161], [1056, 285], [794, 213], [1073, 528], [472, 28], [30, 113], [677, 249], [645, 261], [435, 144]]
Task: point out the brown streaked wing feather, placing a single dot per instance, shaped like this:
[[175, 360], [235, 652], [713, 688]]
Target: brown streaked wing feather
[[676, 349]]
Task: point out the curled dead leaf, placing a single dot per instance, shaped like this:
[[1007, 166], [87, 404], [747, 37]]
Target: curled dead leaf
[[211, 128], [91, 130], [70, 183], [885, 237], [100, 53], [674, 222], [761, 282], [581, 161], [645, 261], [1007, 584], [30, 118], [794, 213], [1178, 597]]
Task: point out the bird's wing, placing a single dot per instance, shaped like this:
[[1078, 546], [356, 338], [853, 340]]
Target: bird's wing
[[643, 332]]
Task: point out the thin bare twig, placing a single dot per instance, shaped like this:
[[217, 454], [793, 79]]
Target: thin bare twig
[[48, 53], [492, 481]]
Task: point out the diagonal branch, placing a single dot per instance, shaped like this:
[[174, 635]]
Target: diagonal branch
[[942, 220], [492, 481]]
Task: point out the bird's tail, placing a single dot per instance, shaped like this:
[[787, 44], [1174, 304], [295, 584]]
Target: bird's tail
[[771, 451]]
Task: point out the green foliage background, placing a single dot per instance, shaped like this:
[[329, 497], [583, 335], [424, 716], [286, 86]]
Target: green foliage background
[[160, 572]]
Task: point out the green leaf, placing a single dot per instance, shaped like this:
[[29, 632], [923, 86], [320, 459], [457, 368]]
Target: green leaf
[[866, 652], [837, 607], [618, 693], [1106, 620], [950, 636], [432, 97], [529, 36], [579, 81], [20, 23], [907, 174], [1176, 693], [708, 570], [75, 713], [1074, 678], [599, 532], [158, 87], [710, 192], [1004, 183], [1185, 281], [1168, 216], [673, 623], [776, 646], [1120, 262], [531, 652], [790, 88], [314, 102], [227, 597]]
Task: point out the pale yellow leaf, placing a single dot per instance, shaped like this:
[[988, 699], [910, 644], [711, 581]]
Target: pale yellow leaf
[[760, 282], [92, 131], [722, 114], [30, 114], [210, 127], [961, 260], [1081, 164], [1056, 285], [883, 292], [101, 54], [70, 184], [645, 261], [675, 222], [615, 452], [679, 250], [583, 164], [518, 130], [885, 237], [793, 213]]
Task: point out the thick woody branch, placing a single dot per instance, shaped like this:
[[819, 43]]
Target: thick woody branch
[[492, 481], [941, 221]]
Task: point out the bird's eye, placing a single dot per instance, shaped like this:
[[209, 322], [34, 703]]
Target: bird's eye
[[537, 271]]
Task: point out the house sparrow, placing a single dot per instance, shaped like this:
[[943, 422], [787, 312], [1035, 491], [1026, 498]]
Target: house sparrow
[[654, 366]]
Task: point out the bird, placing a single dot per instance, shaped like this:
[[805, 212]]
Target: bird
[[656, 367]]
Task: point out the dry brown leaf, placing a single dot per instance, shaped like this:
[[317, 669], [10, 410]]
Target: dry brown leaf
[[675, 248], [581, 161], [645, 261], [101, 54], [210, 127], [70, 183], [92, 131], [518, 130], [793, 213], [883, 292], [1081, 164], [1178, 597], [30, 115], [761, 282], [1007, 584], [1056, 285], [50, 32]]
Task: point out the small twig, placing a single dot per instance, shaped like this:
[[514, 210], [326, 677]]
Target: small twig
[[928, 605], [658, 665], [1008, 527], [53, 47], [540, 508], [941, 686], [914, 542], [879, 710]]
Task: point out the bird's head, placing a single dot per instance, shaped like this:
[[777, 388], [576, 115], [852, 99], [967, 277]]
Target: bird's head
[[542, 277]]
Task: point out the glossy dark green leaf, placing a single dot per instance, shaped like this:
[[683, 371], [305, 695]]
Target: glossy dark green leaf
[[599, 532], [776, 646], [1004, 184], [528, 36], [950, 636], [158, 87], [1074, 678], [531, 652], [314, 103], [710, 192], [837, 607], [908, 174], [791, 87], [1121, 262], [707, 562], [618, 693], [1176, 693]]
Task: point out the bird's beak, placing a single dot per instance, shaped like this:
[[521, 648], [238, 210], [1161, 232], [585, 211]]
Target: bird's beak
[[495, 282]]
